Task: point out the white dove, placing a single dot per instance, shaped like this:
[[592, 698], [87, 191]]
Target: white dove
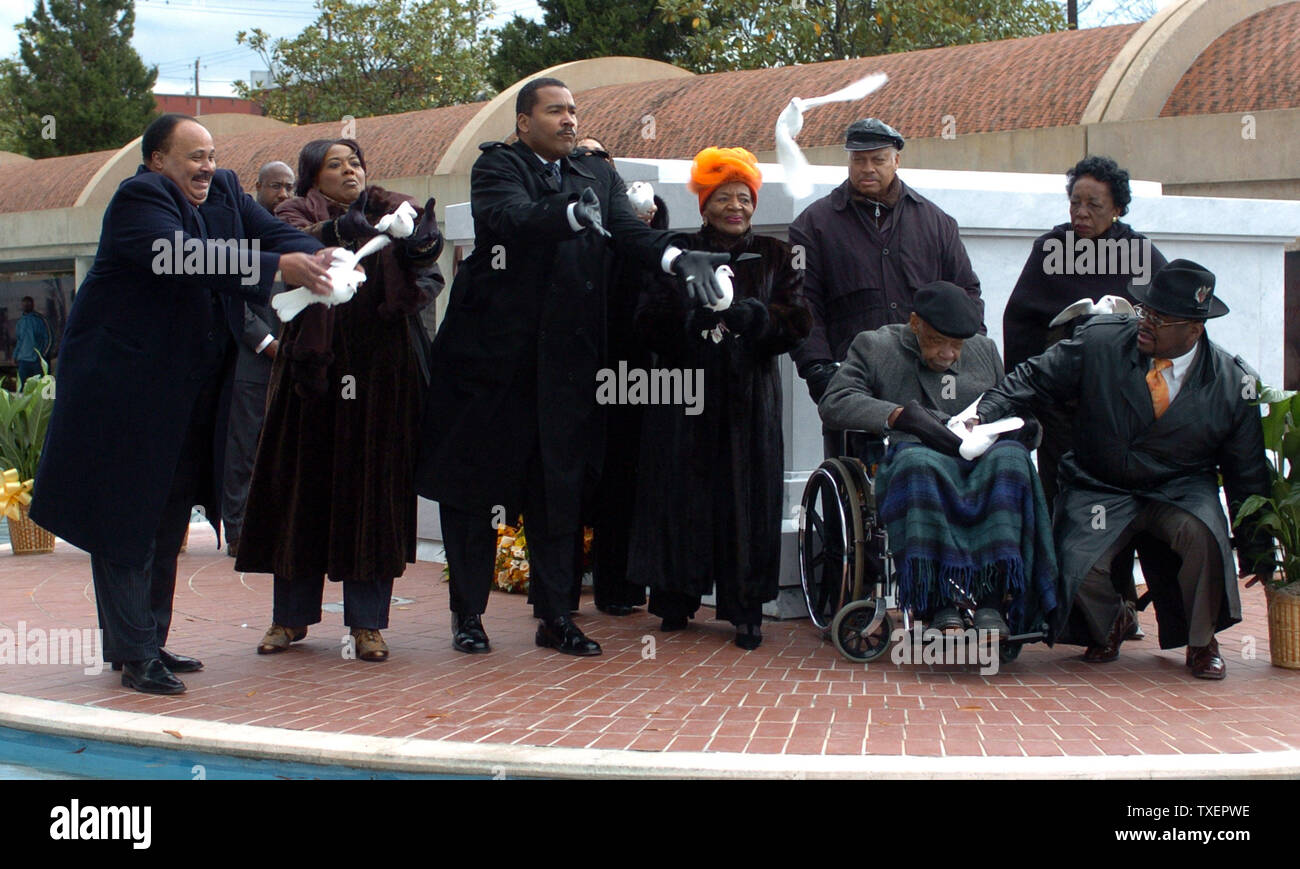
[[976, 441], [1085, 307], [797, 181], [343, 268]]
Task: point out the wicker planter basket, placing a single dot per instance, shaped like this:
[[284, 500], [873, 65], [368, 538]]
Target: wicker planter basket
[[27, 537], [1284, 626]]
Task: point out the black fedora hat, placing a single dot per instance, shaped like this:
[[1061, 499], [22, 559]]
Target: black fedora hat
[[1182, 289]]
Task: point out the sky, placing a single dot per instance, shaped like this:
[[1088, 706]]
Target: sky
[[173, 33]]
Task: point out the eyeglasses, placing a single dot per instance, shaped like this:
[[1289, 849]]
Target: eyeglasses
[[1156, 322]]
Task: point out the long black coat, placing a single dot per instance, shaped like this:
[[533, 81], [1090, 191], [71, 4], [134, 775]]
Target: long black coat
[[132, 358], [859, 276], [1038, 296], [1123, 454], [514, 364], [709, 493]]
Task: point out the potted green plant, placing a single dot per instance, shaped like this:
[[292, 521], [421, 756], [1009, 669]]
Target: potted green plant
[[1279, 515], [24, 418]]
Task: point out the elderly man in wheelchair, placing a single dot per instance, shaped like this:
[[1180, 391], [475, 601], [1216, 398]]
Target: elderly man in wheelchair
[[966, 522]]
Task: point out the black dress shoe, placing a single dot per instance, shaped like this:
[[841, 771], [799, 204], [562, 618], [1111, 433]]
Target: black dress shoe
[[989, 619], [151, 676], [179, 663], [617, 609], [563, 635], [947, 619], [467, 634], [674, 623], [1119, 631], [749, 637]]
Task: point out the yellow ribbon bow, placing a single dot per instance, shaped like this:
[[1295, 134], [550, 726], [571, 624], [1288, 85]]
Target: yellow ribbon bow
[[14, 495]]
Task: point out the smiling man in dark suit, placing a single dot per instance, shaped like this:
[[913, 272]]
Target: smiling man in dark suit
[[138, 429]]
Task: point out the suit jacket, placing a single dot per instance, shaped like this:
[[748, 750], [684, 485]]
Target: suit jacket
[[884, 370], [514, 363], [259, 322], [138, 346], [1123, 455]]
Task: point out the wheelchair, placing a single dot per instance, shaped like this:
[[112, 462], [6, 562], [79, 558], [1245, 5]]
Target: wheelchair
[[846, 568]]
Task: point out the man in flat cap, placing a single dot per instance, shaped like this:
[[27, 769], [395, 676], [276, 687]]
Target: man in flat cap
[[904, 380], [867, 247], [1163, 413]]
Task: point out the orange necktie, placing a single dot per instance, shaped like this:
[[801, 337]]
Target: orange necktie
[[1159, 386]]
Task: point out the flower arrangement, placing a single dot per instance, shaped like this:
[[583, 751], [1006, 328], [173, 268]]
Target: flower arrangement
[[511, 572]]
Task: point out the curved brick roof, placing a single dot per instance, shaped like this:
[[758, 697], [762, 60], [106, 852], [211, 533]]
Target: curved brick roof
[[54, 182], [1039, 81], [1253, 66], [396, 146]]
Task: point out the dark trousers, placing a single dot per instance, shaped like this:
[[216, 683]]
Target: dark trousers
[[247, 411], [135, 603], [26, 370], [470, 540], [297, 602], [1200, 578], [675, 604]]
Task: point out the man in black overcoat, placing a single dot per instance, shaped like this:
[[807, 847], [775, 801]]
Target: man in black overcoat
[[1163, 414], [512, 425], [138, 429]]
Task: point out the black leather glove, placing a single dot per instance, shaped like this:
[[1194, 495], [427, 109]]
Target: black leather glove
[[701, 320], [425, 240], [746, 316], [818, 377], [353, 228], [929, 426], [1027, 434], [695, 268], [587, 211]]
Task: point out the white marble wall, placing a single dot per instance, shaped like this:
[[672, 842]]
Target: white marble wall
[[1240, 240]]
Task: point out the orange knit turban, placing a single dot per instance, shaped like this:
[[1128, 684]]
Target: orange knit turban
[[714, 167]]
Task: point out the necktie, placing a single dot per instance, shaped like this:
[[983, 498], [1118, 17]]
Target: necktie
[[553, 173], [1159, 386]]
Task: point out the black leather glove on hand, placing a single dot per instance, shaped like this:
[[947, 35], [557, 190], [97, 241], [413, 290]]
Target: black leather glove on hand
[[1027, 434], [353, 228], [747, 316], [587, 211], [695, 268], [929, 426], [425, 240], [819, 377]]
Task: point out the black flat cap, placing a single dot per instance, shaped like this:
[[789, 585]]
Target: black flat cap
[[870, 134], [1182, 289], [947, 309]]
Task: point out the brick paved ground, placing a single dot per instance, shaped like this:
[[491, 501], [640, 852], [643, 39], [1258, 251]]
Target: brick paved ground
[[698, 692]]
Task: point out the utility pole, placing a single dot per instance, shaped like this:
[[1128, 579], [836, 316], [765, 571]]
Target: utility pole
[[196, 83], [1071, 15]]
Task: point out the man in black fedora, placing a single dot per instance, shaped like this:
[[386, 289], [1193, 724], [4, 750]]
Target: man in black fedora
[[1163, 413], [865, 248]]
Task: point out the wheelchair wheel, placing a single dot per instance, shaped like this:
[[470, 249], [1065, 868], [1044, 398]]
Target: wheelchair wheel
[[858, 634], [824, 545]]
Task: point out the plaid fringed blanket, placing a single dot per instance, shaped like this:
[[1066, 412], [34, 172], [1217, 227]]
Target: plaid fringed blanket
[[979, 524]]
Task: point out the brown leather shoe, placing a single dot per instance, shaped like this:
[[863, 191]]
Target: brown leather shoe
[[1206, 662], [370, 644], [1109, 651], [277, 638]]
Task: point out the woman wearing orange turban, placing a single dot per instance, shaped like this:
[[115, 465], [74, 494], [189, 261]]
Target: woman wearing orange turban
[[709, 504]]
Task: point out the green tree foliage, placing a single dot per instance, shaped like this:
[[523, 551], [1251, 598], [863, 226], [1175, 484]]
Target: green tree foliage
[[581, 29], [746, 34], [9, 110], [383, 57], [79, 85]]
